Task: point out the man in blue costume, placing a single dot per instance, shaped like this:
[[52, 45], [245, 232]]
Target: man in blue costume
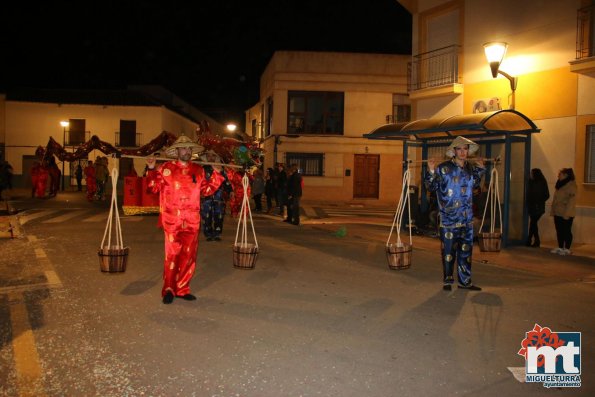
[[453, 181], [212, 207]]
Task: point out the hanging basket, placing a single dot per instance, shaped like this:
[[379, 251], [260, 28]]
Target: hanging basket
[[489, 242], [244, 256], [113, 260], [245, 253], [113, 256], [399, 256]]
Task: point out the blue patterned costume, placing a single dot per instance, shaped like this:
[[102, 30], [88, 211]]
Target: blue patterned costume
[[454, 190], [212, 208]]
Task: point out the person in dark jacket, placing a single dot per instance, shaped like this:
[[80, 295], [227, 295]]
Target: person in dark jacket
[[281, 188], [294, 195], [537, 194]]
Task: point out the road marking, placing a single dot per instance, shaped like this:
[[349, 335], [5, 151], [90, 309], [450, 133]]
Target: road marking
[[96, 218], [29, 217], [65, 217], [26, 359]]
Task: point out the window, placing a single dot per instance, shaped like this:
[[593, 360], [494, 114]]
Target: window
[[310, 164], [590, 155], [585, 33], [312, 112], [269, 117]]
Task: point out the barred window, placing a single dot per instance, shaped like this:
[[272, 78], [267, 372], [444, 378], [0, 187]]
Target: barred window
[[309, 164], [590, 155]]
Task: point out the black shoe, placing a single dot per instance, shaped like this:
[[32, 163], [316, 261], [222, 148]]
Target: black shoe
[[217, 238], [470, 287], [188, 297], [528, 243], [287, 220], [168, 298], [535, 244], [447, 287], [209, 238]]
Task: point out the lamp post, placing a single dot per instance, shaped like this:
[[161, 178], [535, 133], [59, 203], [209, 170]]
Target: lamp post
[[64, 124], [495, 52]]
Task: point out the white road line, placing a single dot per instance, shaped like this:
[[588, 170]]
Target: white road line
[[65, 217], [29, 217], [97, 218]]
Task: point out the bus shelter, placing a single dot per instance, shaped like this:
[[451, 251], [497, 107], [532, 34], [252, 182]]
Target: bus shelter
[[502, 134]]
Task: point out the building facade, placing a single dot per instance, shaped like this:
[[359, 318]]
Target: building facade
[[314, 108], [551, 55], [126, 119]]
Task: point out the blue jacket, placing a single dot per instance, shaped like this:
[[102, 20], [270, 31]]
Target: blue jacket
[[454, 190]]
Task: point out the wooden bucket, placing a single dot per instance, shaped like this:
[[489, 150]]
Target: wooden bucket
[[399, 256], [244, 256], [489, 242], [113, 260]]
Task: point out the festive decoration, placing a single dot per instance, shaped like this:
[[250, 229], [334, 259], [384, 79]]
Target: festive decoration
[[232, 150], [53, 148]]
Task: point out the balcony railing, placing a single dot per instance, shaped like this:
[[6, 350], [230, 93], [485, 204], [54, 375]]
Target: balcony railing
[[585, 32], [75, 138], [434, 68], [128, 139]]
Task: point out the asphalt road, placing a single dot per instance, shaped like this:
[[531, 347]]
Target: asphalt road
[[320, 315]]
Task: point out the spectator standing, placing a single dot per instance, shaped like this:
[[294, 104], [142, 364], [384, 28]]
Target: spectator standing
[[564, 210], [258, 185], [537, 194], [269, 189], [281, 188], [294, 195], [78, 173]]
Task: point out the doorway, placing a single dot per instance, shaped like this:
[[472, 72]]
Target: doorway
[[366, 175]]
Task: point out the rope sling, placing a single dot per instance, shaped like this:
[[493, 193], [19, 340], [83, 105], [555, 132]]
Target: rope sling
[[113, 258], [399, 254], [245, 253], [490, 241]]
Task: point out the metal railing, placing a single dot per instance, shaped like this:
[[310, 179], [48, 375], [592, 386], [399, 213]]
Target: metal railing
[[128, 139], [434, 68], [75, 138], [585, 32]]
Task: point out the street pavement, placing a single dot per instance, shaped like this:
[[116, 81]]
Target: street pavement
[[321, 314]]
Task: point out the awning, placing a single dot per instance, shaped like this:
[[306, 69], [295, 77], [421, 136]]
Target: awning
[[499, 122]]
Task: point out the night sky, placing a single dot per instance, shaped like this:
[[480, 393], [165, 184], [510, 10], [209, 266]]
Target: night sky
[[211, 53]]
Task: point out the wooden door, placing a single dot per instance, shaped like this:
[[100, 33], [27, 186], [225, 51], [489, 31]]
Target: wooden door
[[366, 175]]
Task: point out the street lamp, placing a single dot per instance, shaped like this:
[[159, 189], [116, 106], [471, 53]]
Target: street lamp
[[495, 52], [64, 124], [231, 127]]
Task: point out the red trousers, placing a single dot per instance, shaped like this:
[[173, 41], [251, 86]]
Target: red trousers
[[180, 260]]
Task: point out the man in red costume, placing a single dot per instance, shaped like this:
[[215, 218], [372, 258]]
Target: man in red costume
[[180, 184]]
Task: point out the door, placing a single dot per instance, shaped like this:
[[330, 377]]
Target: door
[[366, 175]]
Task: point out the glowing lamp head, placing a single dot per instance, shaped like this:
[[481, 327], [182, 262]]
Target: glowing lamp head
[[495, 52]]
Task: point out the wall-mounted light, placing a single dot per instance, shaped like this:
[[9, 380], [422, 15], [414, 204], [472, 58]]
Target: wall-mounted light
[[495, 52], [231, 127], [64, 125]]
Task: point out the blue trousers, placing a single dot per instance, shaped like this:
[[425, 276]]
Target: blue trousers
[[212, 213], [457, 245]]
